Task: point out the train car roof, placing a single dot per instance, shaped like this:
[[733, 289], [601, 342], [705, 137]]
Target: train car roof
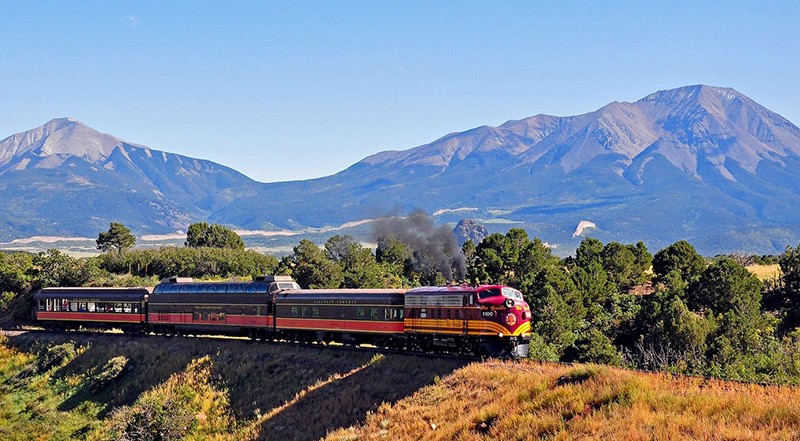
[[362, 291], [99, 294], [450, 289], [355, 295]]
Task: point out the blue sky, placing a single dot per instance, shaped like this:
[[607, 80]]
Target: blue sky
[[296, 90]]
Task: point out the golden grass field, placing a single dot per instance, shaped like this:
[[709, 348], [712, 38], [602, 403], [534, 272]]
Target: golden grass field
[[765, 271], [528, 401]]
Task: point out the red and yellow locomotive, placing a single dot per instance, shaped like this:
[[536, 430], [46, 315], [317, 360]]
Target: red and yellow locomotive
[[485, 320]]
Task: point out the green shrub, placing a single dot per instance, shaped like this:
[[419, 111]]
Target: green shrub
[[55, 356], [593, 347], [184, 405], [114, 369]]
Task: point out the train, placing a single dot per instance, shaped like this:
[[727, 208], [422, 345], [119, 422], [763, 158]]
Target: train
[[480, 320]]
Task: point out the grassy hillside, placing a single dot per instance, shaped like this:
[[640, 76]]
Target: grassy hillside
[[97, 387], [511, 401], [66, 386]]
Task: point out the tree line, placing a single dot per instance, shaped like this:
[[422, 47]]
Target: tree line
[[610, 303]]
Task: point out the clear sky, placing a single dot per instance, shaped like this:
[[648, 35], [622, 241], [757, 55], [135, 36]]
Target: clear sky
[[296, 90]]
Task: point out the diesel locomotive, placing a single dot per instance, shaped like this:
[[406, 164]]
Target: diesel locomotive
[[487, 320]]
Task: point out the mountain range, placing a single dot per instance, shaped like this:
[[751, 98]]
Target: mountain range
[[701, 163]]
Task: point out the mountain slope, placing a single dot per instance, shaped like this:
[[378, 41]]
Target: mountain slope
[[64, 178], [702, 163]]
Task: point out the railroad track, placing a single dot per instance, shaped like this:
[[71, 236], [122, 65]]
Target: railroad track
[[316, 346]]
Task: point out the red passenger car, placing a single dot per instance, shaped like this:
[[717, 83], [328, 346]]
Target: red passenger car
[[353, 316], [183, 306], [70, 308]]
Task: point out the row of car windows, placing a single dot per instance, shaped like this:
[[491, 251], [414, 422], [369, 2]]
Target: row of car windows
[[361, 313], [209, 317], [60, 305], [211, 288]]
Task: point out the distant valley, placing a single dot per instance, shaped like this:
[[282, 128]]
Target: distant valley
[[700, 163]]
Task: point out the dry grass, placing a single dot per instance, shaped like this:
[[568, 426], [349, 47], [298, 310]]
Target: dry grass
[[512, 401], [764, 272]]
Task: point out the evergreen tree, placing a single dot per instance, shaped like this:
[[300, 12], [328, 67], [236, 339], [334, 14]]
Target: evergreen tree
[[727, 286], [358, 264], [117, 238], [681, 257], [789, 290], [619, 262], [643, 262], [310, 268], [202, 234], [588, 252]]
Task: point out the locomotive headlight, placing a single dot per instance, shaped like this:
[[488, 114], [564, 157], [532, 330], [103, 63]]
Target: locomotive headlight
[[511, 319], [509, 303]]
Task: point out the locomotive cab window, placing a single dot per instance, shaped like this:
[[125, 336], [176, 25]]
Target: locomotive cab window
[[486, 293]]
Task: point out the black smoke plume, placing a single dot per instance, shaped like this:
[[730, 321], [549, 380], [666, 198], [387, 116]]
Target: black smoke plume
[[422, 235]]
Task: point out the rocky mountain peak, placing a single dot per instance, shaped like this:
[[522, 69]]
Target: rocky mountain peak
[[49, 145]]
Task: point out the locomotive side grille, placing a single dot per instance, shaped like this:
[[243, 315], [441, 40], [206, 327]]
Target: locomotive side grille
[[456, 300]]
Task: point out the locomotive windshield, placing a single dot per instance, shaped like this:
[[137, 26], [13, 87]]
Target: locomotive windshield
[[512, 293]]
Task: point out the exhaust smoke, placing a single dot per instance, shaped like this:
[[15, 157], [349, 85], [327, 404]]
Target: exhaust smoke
[[423, 236]]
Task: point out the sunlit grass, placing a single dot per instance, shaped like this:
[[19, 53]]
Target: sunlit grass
[[511, 401], [764, 272]]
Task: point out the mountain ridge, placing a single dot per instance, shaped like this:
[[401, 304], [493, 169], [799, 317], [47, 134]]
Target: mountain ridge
[[699, 162], [50, 176], [701, 152]]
